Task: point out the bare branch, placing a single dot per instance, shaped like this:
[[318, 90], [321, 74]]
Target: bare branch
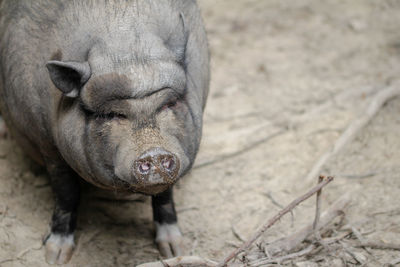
[[290, 242], [318, 214], [378, 245], [274, 219], [300, 253]]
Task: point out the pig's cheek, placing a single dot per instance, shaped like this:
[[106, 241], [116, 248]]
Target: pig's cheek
[[172, 129], [122, 163]]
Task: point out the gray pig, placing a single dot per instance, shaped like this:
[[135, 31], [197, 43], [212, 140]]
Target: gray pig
[[111, 91]]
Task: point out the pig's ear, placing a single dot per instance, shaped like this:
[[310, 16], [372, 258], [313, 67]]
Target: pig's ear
[[69, 76]]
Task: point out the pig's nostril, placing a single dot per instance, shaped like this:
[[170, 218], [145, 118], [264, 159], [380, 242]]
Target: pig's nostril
[[156, 165], [144, 167], [168, 163]]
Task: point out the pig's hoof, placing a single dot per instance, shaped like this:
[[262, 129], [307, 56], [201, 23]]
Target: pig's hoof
[[59, 248], [169, 240]]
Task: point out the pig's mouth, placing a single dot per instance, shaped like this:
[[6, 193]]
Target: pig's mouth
[[154, 189], [148, 189]]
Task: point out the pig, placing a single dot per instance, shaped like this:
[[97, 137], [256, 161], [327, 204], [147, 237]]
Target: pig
[[109, 91]]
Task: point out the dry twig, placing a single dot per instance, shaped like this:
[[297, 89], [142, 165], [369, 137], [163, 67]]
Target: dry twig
[[358, 176], [274, 219], [290, 242], [263, 262], [318, 205], [378, 245], [318, 213], [286, 245], [351, 253], [337, 238]]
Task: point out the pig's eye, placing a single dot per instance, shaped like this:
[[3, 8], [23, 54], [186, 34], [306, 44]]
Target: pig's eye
[[170, 105], [113, 115], [101, 115], [109, 116]]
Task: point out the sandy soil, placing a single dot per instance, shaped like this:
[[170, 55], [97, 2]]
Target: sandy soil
[[287, 78]]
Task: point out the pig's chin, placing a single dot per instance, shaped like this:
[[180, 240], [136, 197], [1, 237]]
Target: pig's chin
[[152, 190], [144, 189], [119, 185]]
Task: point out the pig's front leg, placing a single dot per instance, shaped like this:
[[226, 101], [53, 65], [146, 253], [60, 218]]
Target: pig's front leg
[[59, 244], [168, 235]]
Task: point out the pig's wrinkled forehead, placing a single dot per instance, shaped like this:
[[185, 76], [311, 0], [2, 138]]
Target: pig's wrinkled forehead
[[143, 78], [117, 35], [147, 58], [122, 54], [143, 41]]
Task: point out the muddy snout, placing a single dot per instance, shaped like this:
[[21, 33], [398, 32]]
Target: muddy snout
[[156, 166]]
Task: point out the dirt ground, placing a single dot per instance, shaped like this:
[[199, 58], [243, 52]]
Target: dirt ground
[[287, 79]]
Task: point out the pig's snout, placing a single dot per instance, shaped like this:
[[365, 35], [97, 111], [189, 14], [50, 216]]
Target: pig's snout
[[156, 166]]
